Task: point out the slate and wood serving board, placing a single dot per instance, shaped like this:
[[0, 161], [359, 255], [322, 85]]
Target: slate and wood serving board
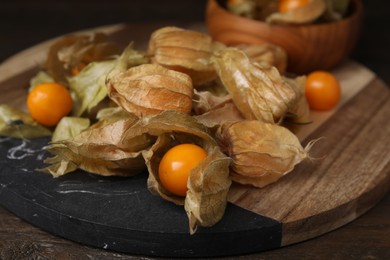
[[349, 174]]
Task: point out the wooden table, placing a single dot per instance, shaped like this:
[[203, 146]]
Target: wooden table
[[365, 238]]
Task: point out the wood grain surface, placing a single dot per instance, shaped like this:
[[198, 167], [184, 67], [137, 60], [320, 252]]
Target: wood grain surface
[[351, 173], [353, 154]]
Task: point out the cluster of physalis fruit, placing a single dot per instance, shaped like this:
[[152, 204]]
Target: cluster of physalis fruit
[[198, 115]]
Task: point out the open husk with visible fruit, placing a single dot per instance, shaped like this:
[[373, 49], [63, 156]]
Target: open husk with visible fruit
[[70, 54], [208, 183], [156, 103], [307, 13], [123, 147]]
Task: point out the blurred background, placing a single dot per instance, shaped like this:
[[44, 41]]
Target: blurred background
[[24, 23]]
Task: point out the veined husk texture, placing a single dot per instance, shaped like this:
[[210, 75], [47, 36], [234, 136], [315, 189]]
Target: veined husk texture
[[208, 183], [75, 51], [106, 148], [184, 50], [302, 15], [258, 91], [266, 54], [149, 89], [261, 152], [212, 110], [123, 147]]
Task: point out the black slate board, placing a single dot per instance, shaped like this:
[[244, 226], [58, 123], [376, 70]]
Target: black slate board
[[119, 213]]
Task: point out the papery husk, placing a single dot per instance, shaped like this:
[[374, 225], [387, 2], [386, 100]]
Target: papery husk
[[258, 91], [39, 78], [112, 114], [212, 110], [302, 15], [245, 8], [208, 182], [261, 153], [89, 86], [214, 118], [149, 89], [254, 9], [267, 54], [204, 101], [299, 112], [76, 51], [215, 87], [185, 51], [108, 149], [129, 58], [208, 187], [68, 127], [18, 124]]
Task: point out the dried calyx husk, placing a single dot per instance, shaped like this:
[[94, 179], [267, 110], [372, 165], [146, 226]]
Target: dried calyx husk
[[208, 183], [68, 127], [258, 91], [307, 13], [112, 148], [299, 111], [213, 110], [89, 86], [255, 9], [149, 89], [245, 8], [266, 54], [184, 50], [123, 147], [261, 152], [19, 124], [73, 52]]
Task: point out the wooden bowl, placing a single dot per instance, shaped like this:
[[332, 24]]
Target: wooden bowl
[[309, 47]]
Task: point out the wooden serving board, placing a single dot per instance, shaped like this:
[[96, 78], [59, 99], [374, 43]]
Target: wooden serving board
[[350, 175]]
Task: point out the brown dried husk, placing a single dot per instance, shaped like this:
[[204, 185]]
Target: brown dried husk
[[74, 51], [108, 149], [258, 91], [261, 153], [212, 110], [302, 15], [185, 51], [299, 112], [208, 183], [245, 8], [149, 89], [267, 54]]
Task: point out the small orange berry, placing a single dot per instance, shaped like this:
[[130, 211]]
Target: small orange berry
[[322, 90], [176, 165], [288, 5], [49, 102]]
